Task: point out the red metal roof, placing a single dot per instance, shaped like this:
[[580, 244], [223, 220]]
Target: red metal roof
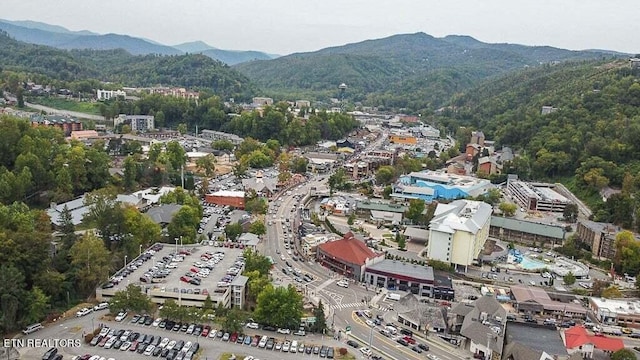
[[348, 250], [578, 336]]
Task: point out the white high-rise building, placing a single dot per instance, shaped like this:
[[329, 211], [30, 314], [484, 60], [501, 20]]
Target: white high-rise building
[[458, 231]]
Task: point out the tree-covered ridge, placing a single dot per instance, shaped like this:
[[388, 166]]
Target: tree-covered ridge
[[191, 70], [384, 71], [276, 122], [590, 137]]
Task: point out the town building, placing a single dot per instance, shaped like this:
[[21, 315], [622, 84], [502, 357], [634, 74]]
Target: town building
[[365, 208], [263, 186], [347, 256], [458, 232], [598, 237], [103, 95], [526, 232], [578, 340], [78, 209], [261, 101], [393, 274], [310, 242], [303, 104], [534, 300], [434, 185], [226, 198], [238, 291], [175, 92], [138, 123], [536, 196], [402, 138], [616, 312], [219, 135], [420, 315], [525, 342], [482, 325], [163, 214], [67, 124]]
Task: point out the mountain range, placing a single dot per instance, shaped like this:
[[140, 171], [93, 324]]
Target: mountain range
[[59, 37], [401, 70], [406, 71]]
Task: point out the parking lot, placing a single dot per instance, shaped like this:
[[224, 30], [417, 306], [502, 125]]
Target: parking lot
[[129, 340], [194, 269]]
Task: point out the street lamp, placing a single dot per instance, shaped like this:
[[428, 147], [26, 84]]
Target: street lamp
[[176, 246], [125, 261], [140, 250]]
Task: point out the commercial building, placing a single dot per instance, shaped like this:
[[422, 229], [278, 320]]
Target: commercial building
[[263, 186], [140, 123], [616, 312], [434, 185], [527, 232], [347, 256], [536, 196], [578, 340], [226, 197], [534, 300], [392, 275], [598, 237], [404, 139], [458, 232]]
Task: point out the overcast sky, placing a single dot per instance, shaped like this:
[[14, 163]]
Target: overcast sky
[[287, 26]]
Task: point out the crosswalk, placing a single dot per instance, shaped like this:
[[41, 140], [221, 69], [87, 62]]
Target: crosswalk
[[358, 305], [346, 306]]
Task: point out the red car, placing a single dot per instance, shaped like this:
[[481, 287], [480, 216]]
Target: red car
[[184, 278], [409, 340], [233, 337], [194, 270], [205, 331], [133, 346]]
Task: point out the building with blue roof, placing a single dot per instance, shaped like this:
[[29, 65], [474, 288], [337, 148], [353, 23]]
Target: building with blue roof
[[435, 185]]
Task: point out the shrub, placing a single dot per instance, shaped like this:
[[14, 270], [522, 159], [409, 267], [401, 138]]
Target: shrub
[[88, 338], [342, 351]]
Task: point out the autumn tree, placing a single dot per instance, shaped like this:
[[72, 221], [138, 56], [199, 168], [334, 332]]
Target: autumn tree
[[92, 261]]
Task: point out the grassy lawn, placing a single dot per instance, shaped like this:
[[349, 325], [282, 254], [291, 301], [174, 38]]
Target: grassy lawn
[[64, 104]]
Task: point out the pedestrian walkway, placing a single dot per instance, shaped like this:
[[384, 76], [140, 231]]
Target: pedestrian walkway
[[346, 306]]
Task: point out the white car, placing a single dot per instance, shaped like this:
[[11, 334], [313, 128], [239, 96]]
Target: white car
[[370, 323], [156, 322], [171, 344], [283, 331], [365, 351], [163, 343], [83, 312], [149, 350], [253, 325], [121, 316], [343, 284], [101, 306]]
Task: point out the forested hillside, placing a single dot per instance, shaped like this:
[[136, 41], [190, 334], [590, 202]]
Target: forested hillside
[[590, 141], [416, 71], [194, 71]]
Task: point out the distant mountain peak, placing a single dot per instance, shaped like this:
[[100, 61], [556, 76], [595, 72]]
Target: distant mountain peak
[[46, 27], [194, 47]]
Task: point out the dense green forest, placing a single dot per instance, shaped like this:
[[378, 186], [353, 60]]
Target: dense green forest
[[192, 71], [414, 71], [589, 142]]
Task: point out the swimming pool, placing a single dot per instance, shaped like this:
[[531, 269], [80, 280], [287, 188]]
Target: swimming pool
[[531, 264]]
